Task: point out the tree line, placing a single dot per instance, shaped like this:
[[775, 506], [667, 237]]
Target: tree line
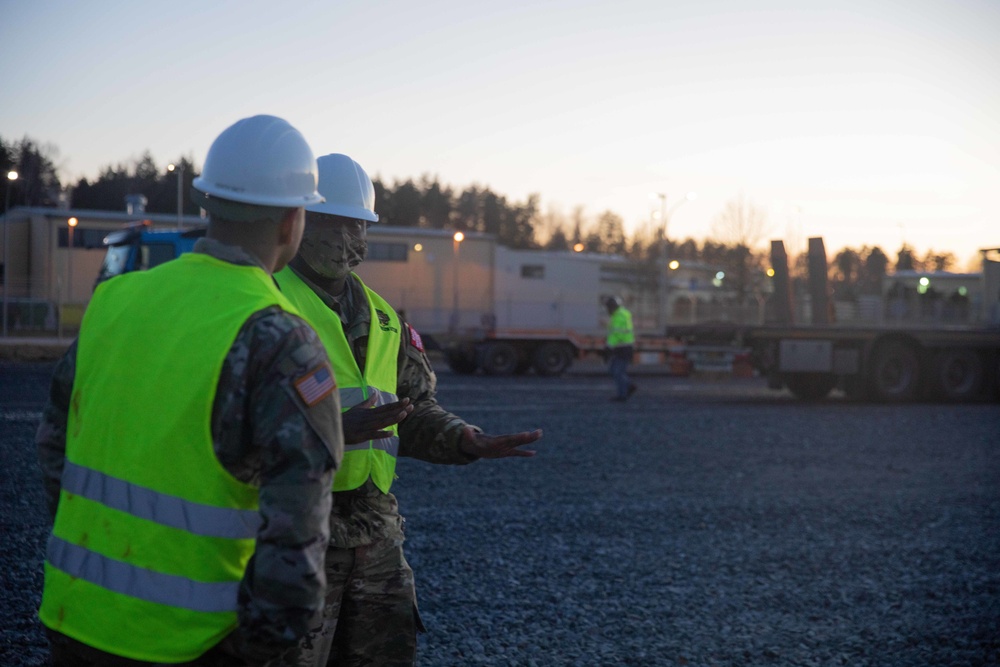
[[733, 244]]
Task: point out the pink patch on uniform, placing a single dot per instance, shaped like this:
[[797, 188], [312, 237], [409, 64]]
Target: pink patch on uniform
[[415, 339]]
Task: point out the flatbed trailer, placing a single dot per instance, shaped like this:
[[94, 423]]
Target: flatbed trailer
[[548, 352], [888, 361], [882, 364]]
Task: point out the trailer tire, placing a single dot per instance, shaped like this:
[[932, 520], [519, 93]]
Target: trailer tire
[[958, 374], [810, 386], [499, 359], [523, 366], [552, 359], [461, 363], [895, 373], [855, 388]]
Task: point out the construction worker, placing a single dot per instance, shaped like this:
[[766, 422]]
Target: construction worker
[[371, 613], [620, 342], [190, 438]]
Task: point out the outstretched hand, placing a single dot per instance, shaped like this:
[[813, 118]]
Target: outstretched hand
[[497, 446], [364, 422]]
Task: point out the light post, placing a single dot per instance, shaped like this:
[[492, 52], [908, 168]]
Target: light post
[[458, 238], [11, 177], [665, 214], [662, 234], [69, 260], [179, 168]]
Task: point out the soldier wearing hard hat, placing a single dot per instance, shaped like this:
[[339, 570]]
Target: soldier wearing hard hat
[[371, 609], [191, 435]]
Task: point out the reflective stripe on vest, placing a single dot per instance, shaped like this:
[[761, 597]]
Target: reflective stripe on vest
[[152, 535], [376, 458], [196, 518], [139, 582], [354, 395]]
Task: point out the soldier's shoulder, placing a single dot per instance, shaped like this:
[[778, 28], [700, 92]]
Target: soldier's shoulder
[[274, 333]]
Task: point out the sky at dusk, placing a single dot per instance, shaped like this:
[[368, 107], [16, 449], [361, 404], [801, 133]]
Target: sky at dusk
[[865, 122]]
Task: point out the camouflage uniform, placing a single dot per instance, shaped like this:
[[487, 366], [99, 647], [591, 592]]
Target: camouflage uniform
[[371, 613], [264, 435]]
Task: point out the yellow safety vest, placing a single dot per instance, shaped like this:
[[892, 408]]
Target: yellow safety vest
[[373, 458], [620, 328], [152, 535]]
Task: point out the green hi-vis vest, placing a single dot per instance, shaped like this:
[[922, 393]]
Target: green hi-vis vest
[[374, 458], [620, 328], [152, 535]]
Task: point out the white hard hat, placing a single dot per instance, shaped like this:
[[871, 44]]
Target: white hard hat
[[261, 161], [347, 189]]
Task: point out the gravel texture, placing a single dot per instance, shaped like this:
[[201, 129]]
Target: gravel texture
[[701, 523]]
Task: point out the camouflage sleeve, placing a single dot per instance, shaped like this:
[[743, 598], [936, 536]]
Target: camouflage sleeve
[[277, 426], [430, 433], [50, 438]]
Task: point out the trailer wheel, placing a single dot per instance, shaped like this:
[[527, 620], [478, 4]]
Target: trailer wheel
[[461, 363], [855, 388], [552, 359], [895, 373], [958, 374], [499, 359], [810, 386]]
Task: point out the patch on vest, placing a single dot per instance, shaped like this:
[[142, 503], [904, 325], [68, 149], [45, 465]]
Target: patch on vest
[[383, 322], [316, 385], [415, 339]]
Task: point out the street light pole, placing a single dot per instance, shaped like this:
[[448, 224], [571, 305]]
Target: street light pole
[[663, 222], [665, 215], [458, 238], [179, 168], [11, 177], [662, 233], [69, 261]]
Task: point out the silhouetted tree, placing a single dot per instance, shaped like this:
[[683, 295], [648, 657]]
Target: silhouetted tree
[[577, 236], [145, 177], [846, 271], [468, 210], [687, 250], [611, 231], [740, 227], [404, 205], [381, 200], [939, 261], [37, 183], [6, 157], [740, 223], [906, 260], [557, 240], [875, 265], [435, 204]]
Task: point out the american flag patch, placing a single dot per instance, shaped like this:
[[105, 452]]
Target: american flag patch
[[415, 339], [316, 385]]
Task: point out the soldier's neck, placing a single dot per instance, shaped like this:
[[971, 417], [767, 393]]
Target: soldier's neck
[[333, 286]]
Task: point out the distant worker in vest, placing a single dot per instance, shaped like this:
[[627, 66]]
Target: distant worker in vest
[[191, 435], [371, 614], [620, 342]]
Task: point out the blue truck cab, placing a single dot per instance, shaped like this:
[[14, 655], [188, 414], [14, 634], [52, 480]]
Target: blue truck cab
[[138, 247]]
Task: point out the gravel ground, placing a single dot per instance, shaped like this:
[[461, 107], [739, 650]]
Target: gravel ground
[[702, 523]]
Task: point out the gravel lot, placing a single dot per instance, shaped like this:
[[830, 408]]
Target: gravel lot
[[702, 523]]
